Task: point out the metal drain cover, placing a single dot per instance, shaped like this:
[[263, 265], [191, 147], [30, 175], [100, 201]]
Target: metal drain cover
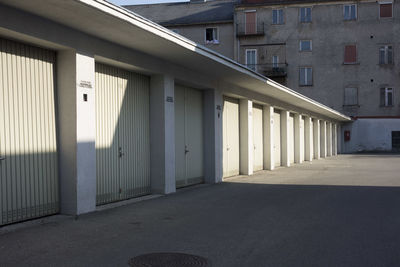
[[169, 260]]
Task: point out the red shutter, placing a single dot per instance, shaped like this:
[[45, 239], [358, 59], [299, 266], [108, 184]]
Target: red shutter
[[385, 10], [251, 22], [350, 54]]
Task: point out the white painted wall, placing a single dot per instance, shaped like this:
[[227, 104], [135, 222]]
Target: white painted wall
[[369, 135]]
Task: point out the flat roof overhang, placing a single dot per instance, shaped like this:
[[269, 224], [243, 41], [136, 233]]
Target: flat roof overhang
[[118, 25]]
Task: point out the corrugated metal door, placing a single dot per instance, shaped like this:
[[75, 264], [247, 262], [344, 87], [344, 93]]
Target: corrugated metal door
[[122, 134], [258, 137], [28, 147], [188, 136], [277, 138], [231, 137], [291, 138]]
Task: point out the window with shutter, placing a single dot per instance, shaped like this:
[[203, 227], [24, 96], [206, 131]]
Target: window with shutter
[[351, 96], [251, 26], [350, 54], [277, 16], [305, 76], [350, 12], [385, 10], [386, 97], [251, 59], [386, 54], [305, 14]]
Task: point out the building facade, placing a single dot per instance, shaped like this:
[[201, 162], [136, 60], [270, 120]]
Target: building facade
[[341, 53]]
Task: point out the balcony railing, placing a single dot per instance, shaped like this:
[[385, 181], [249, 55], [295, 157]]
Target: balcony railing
[[270, 69], [250, 29]]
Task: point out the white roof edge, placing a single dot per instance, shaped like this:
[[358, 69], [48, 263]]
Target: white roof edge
[[159, 30]]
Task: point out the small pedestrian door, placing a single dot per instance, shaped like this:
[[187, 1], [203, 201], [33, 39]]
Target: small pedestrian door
[[122, 134], [258, 138], [230, 137], [277, 138], [28, 146], [188, 136]]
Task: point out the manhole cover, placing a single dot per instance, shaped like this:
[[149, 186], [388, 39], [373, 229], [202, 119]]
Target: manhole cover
[[169, 260]]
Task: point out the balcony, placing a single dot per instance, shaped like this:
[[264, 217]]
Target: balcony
[[249, 29], [270, 69]]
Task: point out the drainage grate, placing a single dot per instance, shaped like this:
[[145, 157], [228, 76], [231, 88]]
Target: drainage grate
[[169, 260]]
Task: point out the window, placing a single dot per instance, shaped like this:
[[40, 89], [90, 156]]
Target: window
[[350, 54], [251, 58], [305, 76], [386, 55], [386, 97], [396, 141], [277, 16], [275, 61], [305, 14], [350, 96], [305, 45], [385, 10], [350, 12], [251, 26], [212, 36]]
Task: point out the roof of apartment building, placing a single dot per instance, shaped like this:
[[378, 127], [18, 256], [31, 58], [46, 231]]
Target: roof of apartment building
[[282, 2], [183, 13]]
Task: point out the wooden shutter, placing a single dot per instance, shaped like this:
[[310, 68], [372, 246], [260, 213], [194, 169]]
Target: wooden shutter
[[385, 11], [251, 26], [350, 54]]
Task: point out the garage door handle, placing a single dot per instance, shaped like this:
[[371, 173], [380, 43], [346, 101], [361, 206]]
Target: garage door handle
[[2, 158]]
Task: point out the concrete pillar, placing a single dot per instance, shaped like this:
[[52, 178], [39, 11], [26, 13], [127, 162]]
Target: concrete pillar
[[268, 117], [298, 139], [213, 102], [77, 132], [285, 138], [246, 136], [335, 144], [308, 145], [329, 139], [323, 139], [162, 134], [316, 141]]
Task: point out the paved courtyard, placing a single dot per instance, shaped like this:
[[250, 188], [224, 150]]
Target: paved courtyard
[[341, 211]]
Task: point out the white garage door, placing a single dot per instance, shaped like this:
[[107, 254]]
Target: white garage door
[[258, 138], [291, 138], [188, 136], [122, 134], [312, 139], [277, 138], [28, 147], [231, 138], [302, 139]]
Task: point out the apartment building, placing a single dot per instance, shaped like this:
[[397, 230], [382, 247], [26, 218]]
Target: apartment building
[[209, 23]]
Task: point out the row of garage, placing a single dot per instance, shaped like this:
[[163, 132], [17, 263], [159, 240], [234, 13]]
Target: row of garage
[[116, 107], [290, 131]]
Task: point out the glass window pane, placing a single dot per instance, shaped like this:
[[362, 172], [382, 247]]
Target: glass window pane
[[389, 55], [280, 16], [302, 76], [353, 12], [346, 12], [382, 97], [390, 98], [274, 16], [382, 55], [309, 76]]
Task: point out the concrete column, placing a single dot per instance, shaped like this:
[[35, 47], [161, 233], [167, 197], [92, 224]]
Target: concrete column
[[298, 139], [335, 144], [268, 116], [329, 139], [162, 134], [285, 138], [323, 139], [308, 146], [316, 141], [213, 102], [246, 136], [77, 131]]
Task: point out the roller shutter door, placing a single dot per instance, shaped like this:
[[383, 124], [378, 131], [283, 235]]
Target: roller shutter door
[[277, 138], [28, 147], [291, 138], [122, 134], [258, 138], [189, 167], [231, 138]]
